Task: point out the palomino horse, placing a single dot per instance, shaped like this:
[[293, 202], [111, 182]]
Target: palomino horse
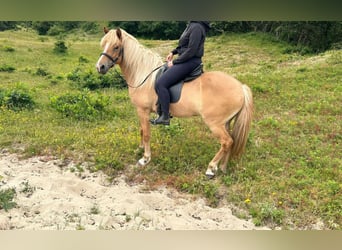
[[217, 97]]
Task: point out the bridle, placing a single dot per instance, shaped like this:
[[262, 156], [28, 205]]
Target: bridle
[[114, 60]]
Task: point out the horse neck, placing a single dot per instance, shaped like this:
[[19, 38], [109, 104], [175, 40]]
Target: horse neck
[[138, 62]]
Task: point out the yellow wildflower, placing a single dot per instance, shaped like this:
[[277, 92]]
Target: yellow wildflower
[[247, 201]]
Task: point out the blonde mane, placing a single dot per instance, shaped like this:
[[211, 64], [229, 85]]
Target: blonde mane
[[138, 61]]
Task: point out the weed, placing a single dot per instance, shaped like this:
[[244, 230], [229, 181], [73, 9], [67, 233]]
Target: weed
[[83, 59], [200, 186], [272, 214], [6, 68], [94, 209], [128, 218], [27, 189], [6, 199], [80, 227]]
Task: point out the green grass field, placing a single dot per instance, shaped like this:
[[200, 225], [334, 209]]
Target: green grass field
[[290, 175]]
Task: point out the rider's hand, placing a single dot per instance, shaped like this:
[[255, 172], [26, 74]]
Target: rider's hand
[[169, 57]]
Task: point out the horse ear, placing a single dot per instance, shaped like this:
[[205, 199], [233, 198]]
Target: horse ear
[[118, 33], [105, 30]]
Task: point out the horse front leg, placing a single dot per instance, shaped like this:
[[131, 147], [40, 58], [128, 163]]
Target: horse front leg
[[141, 145], [145, 133]]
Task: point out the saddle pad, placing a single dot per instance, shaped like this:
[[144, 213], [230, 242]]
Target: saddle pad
[[176, 90]]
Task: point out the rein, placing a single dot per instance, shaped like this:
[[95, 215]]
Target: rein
[[114, 60], [139, 85]]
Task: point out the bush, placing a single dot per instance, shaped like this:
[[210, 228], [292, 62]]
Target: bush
[[2, 97], [7, 49], [42, 27], [41, 72], [81, 106], [7, 25], [90, 27], [16, 99], [309, 36], [55, 30], [6, 68], [60, 47], [92, 80]]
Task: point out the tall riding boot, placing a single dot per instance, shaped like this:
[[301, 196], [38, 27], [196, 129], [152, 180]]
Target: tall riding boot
[[159, 110], [163, 119]]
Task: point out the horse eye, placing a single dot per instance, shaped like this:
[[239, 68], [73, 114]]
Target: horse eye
[[116, 48]]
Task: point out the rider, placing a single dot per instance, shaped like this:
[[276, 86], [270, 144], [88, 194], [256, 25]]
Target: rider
[[190, 50]]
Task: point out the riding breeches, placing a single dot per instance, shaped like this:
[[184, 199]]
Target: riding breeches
[[172, 76]]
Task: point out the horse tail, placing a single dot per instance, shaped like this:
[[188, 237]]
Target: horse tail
[[242, 124]]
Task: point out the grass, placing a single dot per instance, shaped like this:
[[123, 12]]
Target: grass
[[290, 174]]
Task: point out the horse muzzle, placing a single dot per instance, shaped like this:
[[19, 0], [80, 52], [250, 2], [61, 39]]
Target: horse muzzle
[[102, 69]]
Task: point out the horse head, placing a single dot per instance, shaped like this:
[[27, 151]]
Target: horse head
[[112, 50]]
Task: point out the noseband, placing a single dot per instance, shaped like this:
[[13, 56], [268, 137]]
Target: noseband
[[114, 60]]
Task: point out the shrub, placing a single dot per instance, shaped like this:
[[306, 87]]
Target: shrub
[[2, 97], [60, 47], [91, 80], [42, 27], [16, 99], [8, 49], [55, 30], [41, 72], [7, 25], [81, 106], [6, 68], [90, 27]]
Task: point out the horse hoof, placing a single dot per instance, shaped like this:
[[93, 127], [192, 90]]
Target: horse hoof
[[210, 174], [143, 162]]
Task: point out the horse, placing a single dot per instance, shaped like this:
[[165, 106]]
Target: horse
[[220, 99]]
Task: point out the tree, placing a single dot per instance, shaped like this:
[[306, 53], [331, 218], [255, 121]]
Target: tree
[[7, 25]]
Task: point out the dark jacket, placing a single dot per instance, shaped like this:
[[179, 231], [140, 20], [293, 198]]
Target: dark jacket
[[191, 42]]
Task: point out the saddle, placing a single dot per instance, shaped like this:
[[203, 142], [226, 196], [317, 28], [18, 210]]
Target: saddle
[[176, 90]]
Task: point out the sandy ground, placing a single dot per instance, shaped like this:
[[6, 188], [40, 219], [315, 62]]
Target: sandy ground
[[50, 196]]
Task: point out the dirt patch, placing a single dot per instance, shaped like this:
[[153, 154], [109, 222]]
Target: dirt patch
[[51, 196]]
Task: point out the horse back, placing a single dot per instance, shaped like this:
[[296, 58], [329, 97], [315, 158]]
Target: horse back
[[212, 90]]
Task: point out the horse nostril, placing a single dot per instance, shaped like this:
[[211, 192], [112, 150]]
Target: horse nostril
[[102, 67]]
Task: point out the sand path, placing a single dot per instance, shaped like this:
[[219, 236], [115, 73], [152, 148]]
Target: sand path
[[50, 196]]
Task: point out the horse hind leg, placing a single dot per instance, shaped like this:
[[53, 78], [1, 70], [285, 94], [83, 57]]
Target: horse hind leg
[[222, 155], [225, 158]]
